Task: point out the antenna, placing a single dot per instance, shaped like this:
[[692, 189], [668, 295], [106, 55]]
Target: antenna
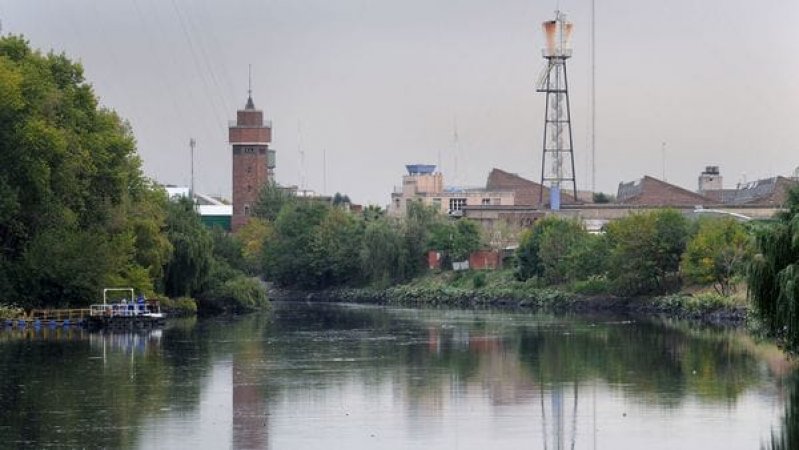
[[301, 153], [456, 148], [249, 80], [663, 156], [192, 143]]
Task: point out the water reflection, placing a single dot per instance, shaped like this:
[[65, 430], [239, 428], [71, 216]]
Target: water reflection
[[328, 376]]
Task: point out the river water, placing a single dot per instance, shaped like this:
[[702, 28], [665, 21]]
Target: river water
[[327, 376]]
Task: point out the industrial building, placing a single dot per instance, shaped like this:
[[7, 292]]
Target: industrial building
[[424, 184]]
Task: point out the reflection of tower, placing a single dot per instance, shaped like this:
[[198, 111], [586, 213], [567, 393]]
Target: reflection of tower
[[250, 427], [557, 162], [253, 160]]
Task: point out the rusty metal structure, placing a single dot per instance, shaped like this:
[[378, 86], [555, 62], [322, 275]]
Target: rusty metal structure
[[557, 160]]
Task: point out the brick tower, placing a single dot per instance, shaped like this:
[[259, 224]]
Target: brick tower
[[253, 160]]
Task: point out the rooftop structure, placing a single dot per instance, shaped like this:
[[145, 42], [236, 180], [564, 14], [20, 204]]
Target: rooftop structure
[[425, 185], [649, 191]]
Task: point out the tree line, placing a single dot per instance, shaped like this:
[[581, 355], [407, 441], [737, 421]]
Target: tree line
[[310, 244], [76, 212]]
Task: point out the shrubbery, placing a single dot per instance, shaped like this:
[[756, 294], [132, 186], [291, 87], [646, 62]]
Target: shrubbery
[[238, 295]]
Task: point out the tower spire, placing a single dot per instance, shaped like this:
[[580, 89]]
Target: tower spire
[[250, 104]]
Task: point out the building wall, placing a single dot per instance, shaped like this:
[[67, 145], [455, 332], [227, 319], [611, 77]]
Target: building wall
[[399, 202]]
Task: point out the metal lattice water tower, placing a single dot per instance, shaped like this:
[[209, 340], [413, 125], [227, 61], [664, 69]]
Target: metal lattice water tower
[[557, 160]]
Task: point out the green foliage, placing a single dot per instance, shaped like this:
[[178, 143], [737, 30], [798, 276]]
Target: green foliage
[[594, 285], [773, 273], [601, 197], [456, 239], [479, 280], [271, 200], [382, 255], [288, 257], [252, 237], [373, 212], [716, 253], [239, 294], [178, 307], [559, 250], [192, 257], [645, 251], [76, 214], [335, 249], [10, 312]]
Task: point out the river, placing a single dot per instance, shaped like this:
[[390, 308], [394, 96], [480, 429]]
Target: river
[[326, 376]]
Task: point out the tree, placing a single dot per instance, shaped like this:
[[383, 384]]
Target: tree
[[456, 239], [70, 181], [773, 274], [645, 250], [335, 248], [288, 258], [372, 213], [271, 199], [601, 197], [382, 253], [188, 270], [559, 250], [716, 253], [252, 237]]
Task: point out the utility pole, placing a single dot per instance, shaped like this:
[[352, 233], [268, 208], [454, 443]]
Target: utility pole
[[663, 162], [593, 95], [324, 171], [192, 143]]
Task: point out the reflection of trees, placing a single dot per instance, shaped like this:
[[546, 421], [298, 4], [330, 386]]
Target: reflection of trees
[[788, 435], [648, 358], [426, 355], [62, 390]]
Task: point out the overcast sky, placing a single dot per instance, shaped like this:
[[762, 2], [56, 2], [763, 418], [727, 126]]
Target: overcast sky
[[379, 84]]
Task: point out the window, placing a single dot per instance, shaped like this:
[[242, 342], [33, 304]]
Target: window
[[486, 201], [249, 188], [249, 149], [456, 204], [246, 210]]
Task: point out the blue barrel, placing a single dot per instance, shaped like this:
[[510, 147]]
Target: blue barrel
[[52, 324], [21, 323], [37, 323], [66, 323], [9, 323]]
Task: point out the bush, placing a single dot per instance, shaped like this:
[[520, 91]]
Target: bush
[[717, 253], [10, 312], [238, 295], [645, 251], [178, 307], [595, 285], [479, 280]]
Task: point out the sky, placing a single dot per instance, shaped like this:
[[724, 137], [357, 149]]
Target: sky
[[363, 87]]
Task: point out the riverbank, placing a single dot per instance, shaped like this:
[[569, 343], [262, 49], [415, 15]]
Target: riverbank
[[499, 289]]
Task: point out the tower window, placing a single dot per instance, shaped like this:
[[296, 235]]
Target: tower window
[[246, 210], [249, 188]]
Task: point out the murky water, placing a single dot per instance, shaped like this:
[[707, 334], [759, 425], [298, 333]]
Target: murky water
[[355, 377]]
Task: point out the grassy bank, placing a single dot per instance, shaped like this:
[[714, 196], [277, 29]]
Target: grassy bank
[[501, 289]]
